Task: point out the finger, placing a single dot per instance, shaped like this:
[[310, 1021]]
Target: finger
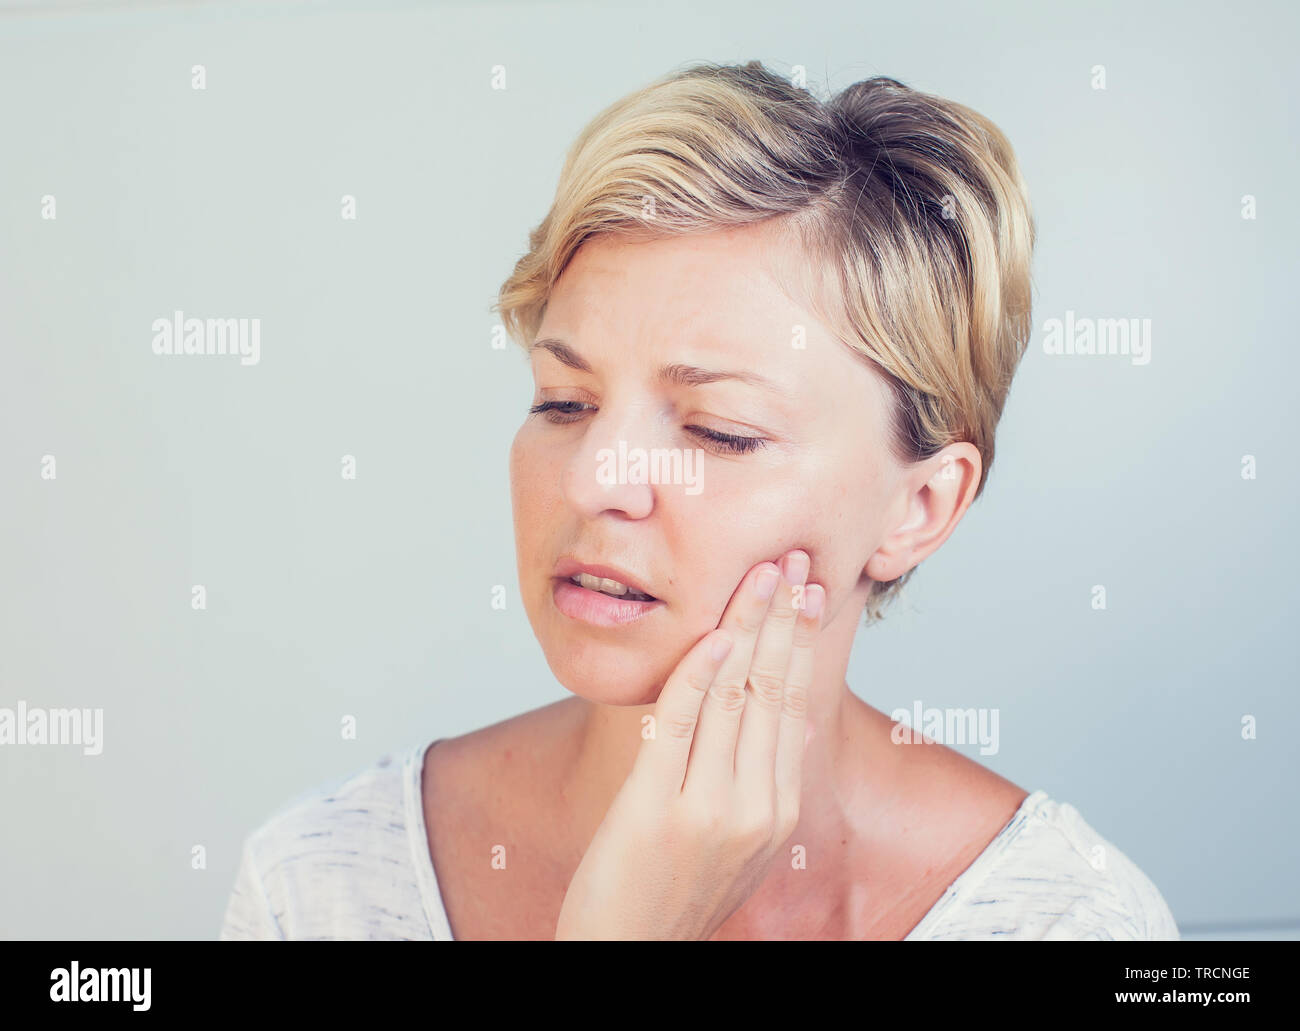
[[713, 755], [794, 711], [761, 720], [663, 755]]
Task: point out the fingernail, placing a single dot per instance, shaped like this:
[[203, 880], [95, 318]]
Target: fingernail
[[812, 602], [720, 647], [796, 567], [766, 582]]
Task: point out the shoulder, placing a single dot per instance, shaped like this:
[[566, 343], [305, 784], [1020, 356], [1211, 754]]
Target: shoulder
[[506, 766], [334, 862], [1050, 875]]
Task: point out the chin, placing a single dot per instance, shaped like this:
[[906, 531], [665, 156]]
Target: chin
[[615, 682]]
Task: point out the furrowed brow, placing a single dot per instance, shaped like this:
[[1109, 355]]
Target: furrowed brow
[[678, 373], [563, 353], [694, 376]]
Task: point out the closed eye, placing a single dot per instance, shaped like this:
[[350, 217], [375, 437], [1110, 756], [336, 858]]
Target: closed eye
[[730, 441], [561, 412], [561, 407]]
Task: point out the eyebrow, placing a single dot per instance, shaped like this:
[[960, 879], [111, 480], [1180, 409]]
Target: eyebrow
[[682, 375]]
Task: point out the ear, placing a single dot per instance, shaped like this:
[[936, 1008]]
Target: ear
[[932, 497]]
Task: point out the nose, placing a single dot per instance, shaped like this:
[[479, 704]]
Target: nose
[[604, 474]]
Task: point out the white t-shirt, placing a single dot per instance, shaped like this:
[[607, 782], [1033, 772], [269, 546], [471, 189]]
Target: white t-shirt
[[351, 861]]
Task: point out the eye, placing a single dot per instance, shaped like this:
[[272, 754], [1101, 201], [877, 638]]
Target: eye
[[729, 441], [559, 411], [569, 411]]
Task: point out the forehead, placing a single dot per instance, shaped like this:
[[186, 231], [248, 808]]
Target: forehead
[[721, 298], [718, 283]]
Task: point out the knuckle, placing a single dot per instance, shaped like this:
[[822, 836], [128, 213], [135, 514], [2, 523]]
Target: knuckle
[[749, 620], [794, 702], [754, 827], [787, 608], [767, 686], [696, 682], [805, 632], [729, 697], [701, 819], [680, 725]]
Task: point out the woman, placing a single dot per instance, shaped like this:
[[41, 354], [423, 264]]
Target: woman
[[771, 339]]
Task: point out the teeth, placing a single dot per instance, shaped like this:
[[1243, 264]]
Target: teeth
[[607, 586], [603, 584]]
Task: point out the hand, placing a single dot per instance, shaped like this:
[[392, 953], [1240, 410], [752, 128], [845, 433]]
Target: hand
[[714, 794]]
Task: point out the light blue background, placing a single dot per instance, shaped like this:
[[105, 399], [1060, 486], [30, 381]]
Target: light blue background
[[371, 598]]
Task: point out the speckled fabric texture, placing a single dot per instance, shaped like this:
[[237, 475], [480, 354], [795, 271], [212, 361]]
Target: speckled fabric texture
[[351, 861]]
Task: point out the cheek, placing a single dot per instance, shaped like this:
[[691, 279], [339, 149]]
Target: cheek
[[759, 527], [528, 475], [820, 515], [518, 465], [530, 500]]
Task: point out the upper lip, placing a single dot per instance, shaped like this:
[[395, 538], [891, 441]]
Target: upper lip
[[568, 567]]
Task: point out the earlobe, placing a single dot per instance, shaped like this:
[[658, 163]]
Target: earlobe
[[878, 568]]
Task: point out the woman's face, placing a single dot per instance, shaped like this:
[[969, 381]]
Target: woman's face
[[814, 472]]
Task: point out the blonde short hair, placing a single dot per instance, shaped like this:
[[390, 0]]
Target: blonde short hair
[[910, 209]]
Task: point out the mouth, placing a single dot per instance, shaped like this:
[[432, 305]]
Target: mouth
[[609, 587], [607, 580], [600, 595]]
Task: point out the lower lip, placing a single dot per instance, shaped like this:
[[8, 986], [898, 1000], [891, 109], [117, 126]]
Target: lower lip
[[596, 608]]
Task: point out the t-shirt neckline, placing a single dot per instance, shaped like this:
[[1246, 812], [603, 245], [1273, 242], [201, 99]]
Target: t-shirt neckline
[[435, 909]]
